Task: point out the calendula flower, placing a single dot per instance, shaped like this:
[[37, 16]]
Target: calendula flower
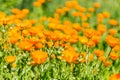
[[101, 28], [96, 39], [114, 56], [77, 26], [50, 44], [70, 55], [116, 48], [25, 32], [39, 45], [115, 77], [91, 9], [85, 24], [102, 58], [83, 40], [107, 63], [89, 32], [25, 45], [106, 14], [99, 52], [96, 5], [100, 18], [69, 4], [15, 11], [39, 56], [112, 31], [90, 58], [112, 41], [13, 65], [10, 59], [91, 43], [33, 40], [113, 22]]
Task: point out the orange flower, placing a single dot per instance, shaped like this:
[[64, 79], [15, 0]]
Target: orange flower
[[82, 9], [54, 37], [36, 4], [113, 22], [56, 44], [91, 43], [15, 11], [25, 11], [77, 26], [69, 4], [10, 59], [90, 58], [116, 48], [99, 52], [33, 40], [101, 28], [85, 24], [107, 63], [25, 45], [113, 31], [59, 11], [84, 18], [66, 9], [96, 39], [75, 14], [33, 30], [70, 55], [50, 44], [115, 77], [89, 32], [91, 9], [100, 17], [5, 21], [102, 58], [114, 56], [106, 14], [25, 32], [47, 32], [39, 45], [96, 5], [40, 35], [14, 37], [88, 15], [39, 56], [83, 40], [112, 41]]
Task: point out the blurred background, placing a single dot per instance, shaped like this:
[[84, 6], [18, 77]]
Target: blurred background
[[112, 6]]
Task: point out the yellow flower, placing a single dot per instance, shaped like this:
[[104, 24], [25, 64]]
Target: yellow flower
[[13, 65], [10, 59], [83, 40]]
